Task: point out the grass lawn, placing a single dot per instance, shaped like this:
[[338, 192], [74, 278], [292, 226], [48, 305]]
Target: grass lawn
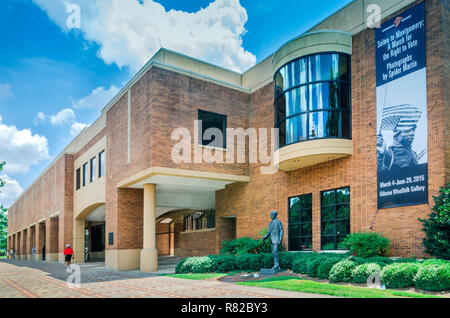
[[197, 276], [2, 257], [307, 286]]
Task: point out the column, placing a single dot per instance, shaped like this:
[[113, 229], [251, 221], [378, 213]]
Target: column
[[39, 240], [52, 240], [149, 254], [78, 240]]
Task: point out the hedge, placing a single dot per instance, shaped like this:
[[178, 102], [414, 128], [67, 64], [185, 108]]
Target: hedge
[[367, 244], [323, 270], [342, 271], [433, 277], [399, 275], [435, 261], [361, 273]]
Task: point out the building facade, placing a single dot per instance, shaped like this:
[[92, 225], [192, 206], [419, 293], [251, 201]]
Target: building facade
[[153, 177]]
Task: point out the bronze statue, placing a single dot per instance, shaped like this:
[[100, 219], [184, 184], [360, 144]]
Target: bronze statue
[[276, 236]]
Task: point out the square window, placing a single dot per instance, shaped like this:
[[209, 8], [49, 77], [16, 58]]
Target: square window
[[300, 222], [213, 129]]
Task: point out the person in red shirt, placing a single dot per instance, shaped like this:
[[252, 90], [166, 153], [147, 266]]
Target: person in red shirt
[[68, 253]]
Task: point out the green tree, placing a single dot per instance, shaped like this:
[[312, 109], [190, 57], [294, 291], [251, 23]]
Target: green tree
[[437, 227], [3, 218]]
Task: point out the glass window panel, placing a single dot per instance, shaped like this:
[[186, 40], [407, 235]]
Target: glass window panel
[[343, 211], [333, 124], [328, 228], [279, 83], [306, 229], [343, 95], [343, 195], [294, 203], [303, 127], [294, 230], [306, 201], [294, 216], [306, 215], [294, 244], [282, 132], [317, 123], [328, 198], [318, 96], [344, 68], [292, 130], [340, 242], [346, 125], [281, 108], [328, 213], [342, 227], [327, 242], [306, 243]]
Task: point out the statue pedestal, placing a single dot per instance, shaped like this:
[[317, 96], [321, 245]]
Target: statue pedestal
[[271, 271]]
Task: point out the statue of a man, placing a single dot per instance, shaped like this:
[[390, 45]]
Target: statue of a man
[[276, 236]]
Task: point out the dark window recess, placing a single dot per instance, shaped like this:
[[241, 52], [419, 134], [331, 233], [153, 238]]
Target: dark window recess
[[85, 172], [92, 171], [335, 218], [78, 179], [101, 164], [313, 98], [300, 223], [200, 220], [98, 238], [111, 238], [213, 130]]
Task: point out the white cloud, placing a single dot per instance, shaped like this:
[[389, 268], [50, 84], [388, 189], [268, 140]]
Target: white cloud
[[21, 149], [64, 117], [98, 98], [10, 192], [129, 32], [5, 92]]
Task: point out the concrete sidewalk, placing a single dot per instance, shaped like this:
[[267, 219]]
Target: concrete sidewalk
[[25, 279]]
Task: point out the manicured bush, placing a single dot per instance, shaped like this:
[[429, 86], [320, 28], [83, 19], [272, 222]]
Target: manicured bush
[[405, 260], [266, 260], [184, 266], [242, 262], [312, 265], [324, 268], [367, 244], [299, 265], [433, 277], [342, 271], [285, 259], [436, 261], [243, 245], [399, 274], [361, 272], [203, 265], [2, 252], [437, 226], [225, 263]]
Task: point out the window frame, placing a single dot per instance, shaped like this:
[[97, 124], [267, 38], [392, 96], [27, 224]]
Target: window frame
[[224, 131], [300, 223], [101, 167], [92, 168], [84, 172], [78, 179], [278, 123], [335, 220]]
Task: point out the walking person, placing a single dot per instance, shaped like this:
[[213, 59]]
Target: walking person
[[33, 253], [68, 253], [11, 255]]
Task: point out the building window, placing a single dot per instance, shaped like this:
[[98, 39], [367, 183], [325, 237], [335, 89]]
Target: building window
[[312, 98], [335, 218], [93, 167], [200, 220], [101, 164], [85, 174], [300, 223], [213, 130], [77, 179]]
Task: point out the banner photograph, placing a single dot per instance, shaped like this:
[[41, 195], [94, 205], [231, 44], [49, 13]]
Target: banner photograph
[[402, 110]]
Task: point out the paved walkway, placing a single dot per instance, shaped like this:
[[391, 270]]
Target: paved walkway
[[22, 279]]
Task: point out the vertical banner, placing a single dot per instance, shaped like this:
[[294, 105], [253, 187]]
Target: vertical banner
[[402, 110]]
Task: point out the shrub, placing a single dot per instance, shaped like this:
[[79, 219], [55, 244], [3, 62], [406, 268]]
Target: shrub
[[361, 272], [225, 263], [312, 265], [342, 271], [405, 260], [203, 265], [323, 270], [433, 277], [2, 252], [299, 265], [242, 262], [266, 260], [367, 244], [184, 266], [437, 226], [285, 259], [243, 245], [435, 261], [399, 274]]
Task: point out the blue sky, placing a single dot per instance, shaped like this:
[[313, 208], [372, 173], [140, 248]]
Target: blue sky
[[54, 80]]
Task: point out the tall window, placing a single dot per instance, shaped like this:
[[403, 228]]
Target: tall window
[[200, 220], [312, 98], [300, 223], [85, 174], [93, 167], [78, 179], [101, 164], [335, 218], [213, 126]]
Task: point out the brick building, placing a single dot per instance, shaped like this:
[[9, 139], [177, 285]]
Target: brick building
[[121, 191]]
